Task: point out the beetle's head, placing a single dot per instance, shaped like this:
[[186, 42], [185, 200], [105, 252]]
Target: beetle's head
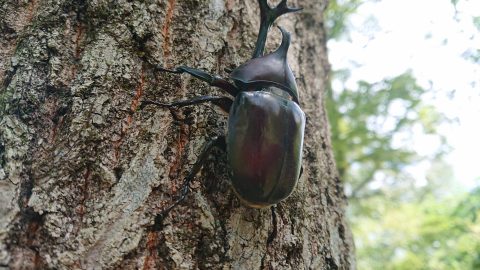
[[271, 70]]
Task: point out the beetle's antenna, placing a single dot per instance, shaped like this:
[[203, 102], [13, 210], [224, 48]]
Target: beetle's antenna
[[268, 15]]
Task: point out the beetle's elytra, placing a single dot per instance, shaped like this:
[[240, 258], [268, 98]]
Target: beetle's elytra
[[264, 147], [266, 125]]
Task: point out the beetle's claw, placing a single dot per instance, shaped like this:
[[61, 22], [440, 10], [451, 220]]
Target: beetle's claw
[[175, 71], [151, 102], [293, 9], [283, 8], [278, 11]]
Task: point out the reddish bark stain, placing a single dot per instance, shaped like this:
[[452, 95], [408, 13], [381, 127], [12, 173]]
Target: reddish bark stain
[[129, 120], [138, 92], [78, 49], [32, 230], [28, 257], [22, 18], [182, 140], [233, 32], [151, 258], [81, 209], [229, 4], [37, 261], [31, 10], [78, 38], [166, 29], [51, 107]]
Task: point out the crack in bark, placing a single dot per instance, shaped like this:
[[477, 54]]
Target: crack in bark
[[226, 247], [330, 263], [262, 261], [22, 240], [26, 188], [274, 232], [2, 156], [9, 74]]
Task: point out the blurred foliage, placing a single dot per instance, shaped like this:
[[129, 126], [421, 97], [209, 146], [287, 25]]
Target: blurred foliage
[[454, 2], [476, 22], [398, 221], [336, 16], [372, 126], [430, 234]]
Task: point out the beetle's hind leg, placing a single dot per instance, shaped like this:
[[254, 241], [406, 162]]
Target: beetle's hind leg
[[218, 142], [212, 80], [223, 102]]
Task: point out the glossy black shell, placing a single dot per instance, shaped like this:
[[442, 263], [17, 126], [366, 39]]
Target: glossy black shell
[[269, 70], [264, 146]]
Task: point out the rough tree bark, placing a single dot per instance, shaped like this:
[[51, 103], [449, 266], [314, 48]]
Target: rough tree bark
[[83, 171]]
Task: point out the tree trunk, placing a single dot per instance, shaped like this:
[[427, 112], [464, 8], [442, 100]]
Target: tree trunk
[[84, 171]]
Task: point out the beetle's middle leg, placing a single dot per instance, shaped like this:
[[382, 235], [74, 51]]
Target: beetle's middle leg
[[212, 80], [218, 142], [223, 102]]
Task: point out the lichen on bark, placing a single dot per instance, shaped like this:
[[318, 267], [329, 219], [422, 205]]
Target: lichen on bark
[[84, 171]]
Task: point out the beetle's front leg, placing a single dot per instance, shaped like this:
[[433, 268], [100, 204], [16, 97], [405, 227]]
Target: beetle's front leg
[[216, 142], [223, 102], [212, 80]]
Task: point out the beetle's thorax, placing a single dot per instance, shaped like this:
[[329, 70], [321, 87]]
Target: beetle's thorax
[[269, 70]]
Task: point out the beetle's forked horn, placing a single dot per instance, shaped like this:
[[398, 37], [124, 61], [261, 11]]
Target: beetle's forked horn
[[268, 15], [280, 9]]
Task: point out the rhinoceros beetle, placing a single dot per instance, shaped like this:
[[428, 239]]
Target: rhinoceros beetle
[[266, 125]]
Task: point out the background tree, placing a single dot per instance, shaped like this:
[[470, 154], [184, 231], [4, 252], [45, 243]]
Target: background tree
[[83, 172], [397, 222]]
